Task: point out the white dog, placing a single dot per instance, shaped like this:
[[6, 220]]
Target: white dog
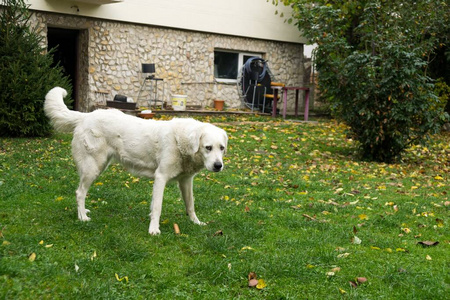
[[163, 150]]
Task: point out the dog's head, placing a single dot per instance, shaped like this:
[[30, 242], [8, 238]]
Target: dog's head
[[202, 140], [212, 146]]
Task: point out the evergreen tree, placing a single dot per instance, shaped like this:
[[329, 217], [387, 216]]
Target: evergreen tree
[[26, 73]]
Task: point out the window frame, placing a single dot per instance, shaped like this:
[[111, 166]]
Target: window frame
[[241, 55]]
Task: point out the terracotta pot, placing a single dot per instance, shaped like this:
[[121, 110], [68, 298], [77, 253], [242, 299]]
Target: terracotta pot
[[218, 104]]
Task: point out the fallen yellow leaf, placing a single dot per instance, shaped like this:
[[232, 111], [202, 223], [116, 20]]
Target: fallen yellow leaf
[[247, 248], [261, 284], [32, 257], [121, 279], [428, 257], [343, 255], [363, 217], [440, 222]]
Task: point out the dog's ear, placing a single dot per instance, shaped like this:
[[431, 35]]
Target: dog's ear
[[226, 141], [194, 139], [188, 140]]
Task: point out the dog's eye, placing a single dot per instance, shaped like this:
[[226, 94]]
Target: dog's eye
[[222, 148], [209, 148]]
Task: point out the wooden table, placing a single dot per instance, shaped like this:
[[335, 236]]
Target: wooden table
[[285, 90]]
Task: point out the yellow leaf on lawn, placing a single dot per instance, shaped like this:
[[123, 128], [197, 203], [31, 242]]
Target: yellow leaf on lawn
[[6, 243], [406, 230], [247, 248], [32, 257], [343, 255], [363, 217], [121, 279], [342, 291], [261, 284], [428, 257], [98, 183], [440, 222], [60, 198], [41, 242], [49, 246], [438, 177]]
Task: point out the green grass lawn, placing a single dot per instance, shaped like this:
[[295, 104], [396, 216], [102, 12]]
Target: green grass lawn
[[293, 204]]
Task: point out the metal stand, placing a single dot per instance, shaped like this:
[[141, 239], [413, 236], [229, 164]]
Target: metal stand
[[152, 83]]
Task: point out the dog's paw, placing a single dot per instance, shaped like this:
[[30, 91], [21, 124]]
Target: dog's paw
[[154, 229], [83, 217], [198, 222]]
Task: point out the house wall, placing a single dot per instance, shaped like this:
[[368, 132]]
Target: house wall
[[247, 18], [111, 54]]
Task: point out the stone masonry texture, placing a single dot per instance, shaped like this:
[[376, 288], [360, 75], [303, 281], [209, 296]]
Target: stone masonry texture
[[110, 55]]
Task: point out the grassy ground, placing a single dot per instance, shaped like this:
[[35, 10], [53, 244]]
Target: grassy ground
[[294, 205]]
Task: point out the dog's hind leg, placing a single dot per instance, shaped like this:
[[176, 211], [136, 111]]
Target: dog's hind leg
[[91, 158], [83, 187], [186, 187], [89, 169]]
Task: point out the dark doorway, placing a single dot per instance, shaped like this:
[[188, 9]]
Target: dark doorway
[[65, 42]]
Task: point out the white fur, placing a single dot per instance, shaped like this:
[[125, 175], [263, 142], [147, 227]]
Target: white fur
[[163, 150]]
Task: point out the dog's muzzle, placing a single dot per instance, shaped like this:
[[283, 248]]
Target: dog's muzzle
[[217, 167]]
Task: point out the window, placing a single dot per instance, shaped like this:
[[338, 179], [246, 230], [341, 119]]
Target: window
[[227, 64]]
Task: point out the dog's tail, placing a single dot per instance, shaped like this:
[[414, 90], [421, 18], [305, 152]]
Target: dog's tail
[[62, 118]]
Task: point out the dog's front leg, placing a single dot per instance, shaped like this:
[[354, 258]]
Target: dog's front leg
[[156, 206], [186, 187]]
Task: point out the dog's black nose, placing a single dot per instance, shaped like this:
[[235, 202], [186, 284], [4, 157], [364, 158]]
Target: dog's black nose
[[217, 166]]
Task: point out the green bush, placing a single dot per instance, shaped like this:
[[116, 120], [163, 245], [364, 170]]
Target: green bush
[[372, 59], [386, 101], [26, 74], [442, 90]]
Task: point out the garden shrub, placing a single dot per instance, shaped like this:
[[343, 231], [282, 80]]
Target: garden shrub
[[372, 60], [26, 74]]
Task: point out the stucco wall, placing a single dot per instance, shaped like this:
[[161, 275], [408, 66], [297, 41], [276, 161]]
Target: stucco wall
[[111, 54], [248, 18]]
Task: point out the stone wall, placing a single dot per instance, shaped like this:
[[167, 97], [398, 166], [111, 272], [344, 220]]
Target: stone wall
[[111, 54]]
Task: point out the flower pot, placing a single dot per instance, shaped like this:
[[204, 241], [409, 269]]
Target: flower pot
[[218, 104]]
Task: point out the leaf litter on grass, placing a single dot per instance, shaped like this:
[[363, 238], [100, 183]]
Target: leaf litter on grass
[[287, 188]]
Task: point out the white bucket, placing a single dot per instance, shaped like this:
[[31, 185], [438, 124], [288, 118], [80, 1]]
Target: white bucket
[[179, 102]]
